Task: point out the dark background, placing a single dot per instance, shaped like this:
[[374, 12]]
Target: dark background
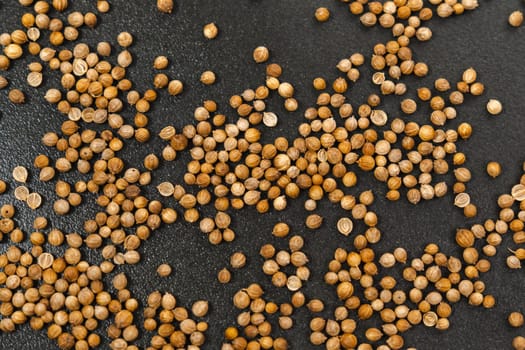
[[305, 49]]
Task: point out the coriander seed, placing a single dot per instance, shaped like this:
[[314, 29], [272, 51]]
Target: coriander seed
[[207, 78], [16, 96], [210, 31], [322, 14], [493, 169], [515, 319], [516, 18], [164, 270], [165, 6], [494, 107], [20, 174], [261, 54]]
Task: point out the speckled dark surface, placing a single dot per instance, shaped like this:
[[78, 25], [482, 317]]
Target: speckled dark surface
[[305, 49]]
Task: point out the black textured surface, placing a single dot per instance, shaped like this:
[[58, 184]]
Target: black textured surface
[[305, 49]]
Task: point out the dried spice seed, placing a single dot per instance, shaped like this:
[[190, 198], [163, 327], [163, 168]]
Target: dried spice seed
[[165, 6]]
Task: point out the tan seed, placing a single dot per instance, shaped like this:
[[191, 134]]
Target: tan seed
[[34, 200], [21, 193], [345, 226], [462, 200], [45, 260], [166, 189], [518, 192], [20, 174]]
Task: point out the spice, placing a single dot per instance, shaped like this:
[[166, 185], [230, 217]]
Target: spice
[[494, 107], [516, 18], [164, 270], [207, 78], [345, 226], [20, 174], [493, 169], [238, 260], [16, 96], [34, 200], [515, 319], [210, 31], [165, 6], [322, 14], [261, 54]]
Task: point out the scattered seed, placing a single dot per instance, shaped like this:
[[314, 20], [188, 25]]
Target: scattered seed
[[34, 200], [494, 107], [345, 226]]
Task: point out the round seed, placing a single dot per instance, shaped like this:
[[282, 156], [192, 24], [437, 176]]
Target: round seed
[[166, 189], [34, 79], [345, 226], [270, 119], [494, 107], [518, 192], [21, 193], [462, 200], [20, 174], [34, 200]]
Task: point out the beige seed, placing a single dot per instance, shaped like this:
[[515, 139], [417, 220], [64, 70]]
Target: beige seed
[[345, 226], [378, 117], [20, 174], [430, 319], [200, 308], [462, 200], [518, 192], [210, 31], [34, 79], [513, 262], [45, 260], [516, 18], [164, 270], [494, 107], [21, 193], [270, 119], [261, 54], [165, 6], [166, 189], [293, 283], [34, 200]]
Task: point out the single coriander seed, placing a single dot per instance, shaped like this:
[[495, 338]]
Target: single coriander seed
[[207, 78], [164, 270], [210, 31], [165, 6], [494, 107], [516, 319], [322, 14], [20, 174], [493, 169], [516, 19], [261, 54]]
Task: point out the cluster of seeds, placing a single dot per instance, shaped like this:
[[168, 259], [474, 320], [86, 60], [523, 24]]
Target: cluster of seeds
[[404, 17], [231, 168], [254, 321], [173, 324], [277, 261]]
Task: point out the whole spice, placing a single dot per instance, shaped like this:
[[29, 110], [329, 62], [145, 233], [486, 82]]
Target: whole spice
[[20, 174], [345, 226], [516, 18], [322, 14], [493, 169], [164, 270], [165, 6], [210, 31], [16, 96], [261, 54], [515, 319], [494, 107]]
